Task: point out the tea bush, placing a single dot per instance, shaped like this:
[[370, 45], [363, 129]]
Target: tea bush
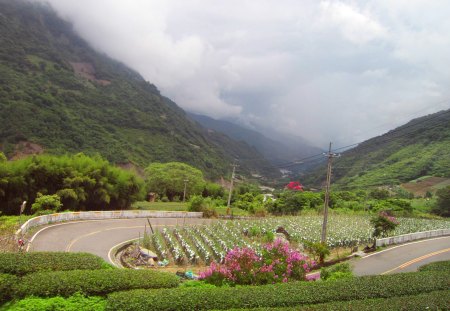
[[90, 282], [436, 266], [6, 283], [278, 295], [24, 263]]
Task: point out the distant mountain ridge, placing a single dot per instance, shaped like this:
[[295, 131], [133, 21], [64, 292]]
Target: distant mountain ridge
[[284, 149], [419, 148], [59, 95]]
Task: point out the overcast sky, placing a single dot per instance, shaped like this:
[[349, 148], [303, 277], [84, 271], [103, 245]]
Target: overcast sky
[[340, 71]]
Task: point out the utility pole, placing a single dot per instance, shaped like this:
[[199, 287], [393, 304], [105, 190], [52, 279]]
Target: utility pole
[[184, 192], [234, 165], [330, 157]]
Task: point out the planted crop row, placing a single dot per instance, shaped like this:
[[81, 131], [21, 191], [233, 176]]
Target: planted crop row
[[24, 263], [287, 294]]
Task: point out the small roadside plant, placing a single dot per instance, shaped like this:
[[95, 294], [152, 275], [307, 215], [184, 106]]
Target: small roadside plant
[[383, 224], [319, 250], [339, 271], [243, 266]]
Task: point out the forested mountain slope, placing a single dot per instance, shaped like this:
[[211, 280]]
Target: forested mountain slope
[[419, 148], [61, 95]]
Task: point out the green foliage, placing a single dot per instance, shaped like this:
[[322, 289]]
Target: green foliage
[[82, 183], [443, 266], [442, 206], [318, 250], [46, 202], [90, 282], [169, 179], [24, 263], [335, 272], [292, 202], [76, 302], [198, 203], [7, 281], [379, 194], [277, 295], [436, 300]]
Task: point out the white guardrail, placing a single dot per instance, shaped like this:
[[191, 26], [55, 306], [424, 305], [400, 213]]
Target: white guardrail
[[98, 215], [412, 237]]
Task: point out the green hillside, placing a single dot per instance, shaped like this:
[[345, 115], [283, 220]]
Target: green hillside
[[59, 94], [416, 149]]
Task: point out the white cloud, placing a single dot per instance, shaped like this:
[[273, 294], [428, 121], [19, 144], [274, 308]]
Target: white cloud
[[332, 70]]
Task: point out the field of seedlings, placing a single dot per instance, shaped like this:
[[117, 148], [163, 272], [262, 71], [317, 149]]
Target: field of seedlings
[[199, 245]]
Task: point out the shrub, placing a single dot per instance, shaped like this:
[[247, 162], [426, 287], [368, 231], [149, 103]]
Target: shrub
[[437, 300], [283, 294], [436, 266], [6, 283], [338, 271], [93, 282], [76, 302], [319, 250], [46, 202], [278, 263], [24, 263], [383, 224]]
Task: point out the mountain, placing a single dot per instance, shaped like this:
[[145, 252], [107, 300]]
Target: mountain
[[59, 95], [417, 149], [279, 150]]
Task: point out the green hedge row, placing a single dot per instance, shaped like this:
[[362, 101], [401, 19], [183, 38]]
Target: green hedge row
[[76, 302], [24, 263], [436, 266], [6, 283], [438, 300], [279, 295], [90, 282]]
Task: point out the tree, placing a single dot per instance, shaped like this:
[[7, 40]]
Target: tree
[[442, 206], [170, 179], [46, 203]]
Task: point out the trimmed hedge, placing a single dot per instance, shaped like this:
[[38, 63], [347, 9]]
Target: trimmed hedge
[[437, 300], [436, 266], [24, 263], [6, 283], [90, 282], [74, 303], [279, 295]]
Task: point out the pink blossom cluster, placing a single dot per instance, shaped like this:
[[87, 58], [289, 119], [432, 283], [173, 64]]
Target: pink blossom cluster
[[389, 217], [278, 263]]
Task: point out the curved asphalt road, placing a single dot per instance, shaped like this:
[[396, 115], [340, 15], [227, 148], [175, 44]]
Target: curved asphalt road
[[100, 236], [403, 258]]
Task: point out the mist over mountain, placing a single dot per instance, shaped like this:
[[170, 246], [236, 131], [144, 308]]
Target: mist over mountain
[[59, 95]]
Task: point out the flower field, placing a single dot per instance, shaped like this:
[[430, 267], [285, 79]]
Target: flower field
[[200, 245]]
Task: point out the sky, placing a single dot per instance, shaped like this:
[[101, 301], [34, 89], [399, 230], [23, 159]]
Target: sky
[[340, 71]]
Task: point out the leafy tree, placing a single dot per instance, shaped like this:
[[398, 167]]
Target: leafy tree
[[47, 203], [168, 179], [383, 224], [379, 194], [442, 206]]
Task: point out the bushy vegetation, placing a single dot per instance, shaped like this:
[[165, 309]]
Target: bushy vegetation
[[90, 282], [25, 263], [338, 271], [76, 302], [443, 266], [6, 283], [442, 206], [437, 300], [79, 181], [277, 295]]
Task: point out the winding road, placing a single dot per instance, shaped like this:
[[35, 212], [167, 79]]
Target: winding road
[[99, 237]]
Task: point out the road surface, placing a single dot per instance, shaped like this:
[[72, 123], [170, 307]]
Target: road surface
[[403, 258], [100, 236]]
